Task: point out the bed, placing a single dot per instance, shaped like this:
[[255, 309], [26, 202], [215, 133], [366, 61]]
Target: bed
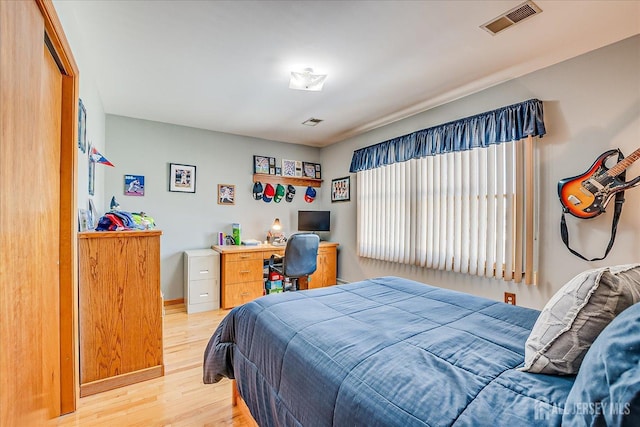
[[384, 352]]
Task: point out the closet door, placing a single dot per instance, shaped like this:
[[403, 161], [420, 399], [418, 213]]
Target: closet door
[[35, 237]]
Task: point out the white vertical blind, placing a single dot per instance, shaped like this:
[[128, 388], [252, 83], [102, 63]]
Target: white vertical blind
[[455, 211]]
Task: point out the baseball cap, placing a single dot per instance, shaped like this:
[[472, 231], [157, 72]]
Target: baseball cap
[[268, 193], [310, 194], [257, 190], [291, 191], [279, 193]]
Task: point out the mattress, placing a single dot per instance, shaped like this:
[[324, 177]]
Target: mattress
[[383, 352]]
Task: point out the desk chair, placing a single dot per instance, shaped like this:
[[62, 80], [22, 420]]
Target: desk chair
[[300, 258]]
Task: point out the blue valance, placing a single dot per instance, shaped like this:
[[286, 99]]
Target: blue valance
[[504, 124]]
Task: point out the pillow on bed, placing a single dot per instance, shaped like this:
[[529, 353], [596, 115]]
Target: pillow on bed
[[606, 390], [575, 316]]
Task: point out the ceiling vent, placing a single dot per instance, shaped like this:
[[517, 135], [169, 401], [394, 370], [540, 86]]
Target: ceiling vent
[[511, 17], [311, 122]]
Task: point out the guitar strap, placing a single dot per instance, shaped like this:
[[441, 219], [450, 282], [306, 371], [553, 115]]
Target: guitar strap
[[614, 225]]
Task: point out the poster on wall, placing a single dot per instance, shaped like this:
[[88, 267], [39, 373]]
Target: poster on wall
[[134, 185]]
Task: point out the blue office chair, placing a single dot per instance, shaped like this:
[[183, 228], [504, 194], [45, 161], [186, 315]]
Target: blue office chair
[[300, 258]]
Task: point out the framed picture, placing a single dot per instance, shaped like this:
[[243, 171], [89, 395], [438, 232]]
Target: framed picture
[[182, 178], [278, 170], [261, 164], [83, 220], [340, 189], [93, 215], [288, 167], [92, 173], [134, 185], [298, 168], [226, 194], [311, 170], [82, 127]]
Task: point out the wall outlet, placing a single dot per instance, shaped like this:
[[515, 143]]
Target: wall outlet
[[510, 298]]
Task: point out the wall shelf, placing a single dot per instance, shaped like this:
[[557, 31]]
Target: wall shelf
[[286, 180]]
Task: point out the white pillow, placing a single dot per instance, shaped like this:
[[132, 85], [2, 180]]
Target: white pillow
[[574, 317]]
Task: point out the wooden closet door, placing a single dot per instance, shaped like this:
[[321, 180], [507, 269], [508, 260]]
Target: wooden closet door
[[31, 117]]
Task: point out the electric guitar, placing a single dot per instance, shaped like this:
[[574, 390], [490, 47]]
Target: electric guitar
[[587, 195]]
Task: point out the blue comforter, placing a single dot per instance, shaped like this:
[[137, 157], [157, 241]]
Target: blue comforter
[[383, 352]]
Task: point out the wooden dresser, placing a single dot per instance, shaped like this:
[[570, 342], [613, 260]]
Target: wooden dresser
[[120, 309], [242, 269]]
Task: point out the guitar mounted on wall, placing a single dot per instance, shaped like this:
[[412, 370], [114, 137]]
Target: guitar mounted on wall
[[587, 195]]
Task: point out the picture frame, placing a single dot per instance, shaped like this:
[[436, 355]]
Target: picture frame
[[182, 178], [134, 185], [261, 164], [83, 220], [288, 167], [91, 172], [340, 189], [311, 170], [298, 168], [226, 194], [82, 126]]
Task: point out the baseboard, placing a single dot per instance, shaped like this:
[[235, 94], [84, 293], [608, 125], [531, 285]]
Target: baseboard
[[341, 282], [173, 301]]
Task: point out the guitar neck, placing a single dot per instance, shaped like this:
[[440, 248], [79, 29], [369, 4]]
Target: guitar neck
[[624, 163]]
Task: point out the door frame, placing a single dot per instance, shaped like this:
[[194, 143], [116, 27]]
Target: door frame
[[69, 385]]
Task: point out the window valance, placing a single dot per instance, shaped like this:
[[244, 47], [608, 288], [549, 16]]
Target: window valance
[[509, 123]]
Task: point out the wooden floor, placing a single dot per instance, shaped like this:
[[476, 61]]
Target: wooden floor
[[177, 399]]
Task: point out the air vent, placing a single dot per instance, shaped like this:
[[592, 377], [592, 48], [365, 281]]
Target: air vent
[[311, 122], [513, 16]]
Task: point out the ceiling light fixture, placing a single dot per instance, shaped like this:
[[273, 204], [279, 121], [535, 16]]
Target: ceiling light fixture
[[306, 80]]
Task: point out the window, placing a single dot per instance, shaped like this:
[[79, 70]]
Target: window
[[469, 210]]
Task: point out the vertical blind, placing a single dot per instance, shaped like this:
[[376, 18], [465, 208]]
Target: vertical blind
[[467, 210]]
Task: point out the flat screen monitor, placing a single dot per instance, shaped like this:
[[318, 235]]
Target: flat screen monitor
[[314, 220]]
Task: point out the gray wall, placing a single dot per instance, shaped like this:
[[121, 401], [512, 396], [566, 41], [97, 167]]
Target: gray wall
[[592, 104], [187, 220]]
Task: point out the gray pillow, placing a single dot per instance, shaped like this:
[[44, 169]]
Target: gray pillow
[[574, 317]]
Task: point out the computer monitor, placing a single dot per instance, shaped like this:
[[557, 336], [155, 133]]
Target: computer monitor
[[314, 220]]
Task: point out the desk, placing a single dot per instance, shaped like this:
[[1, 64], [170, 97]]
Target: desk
[[242, 269]]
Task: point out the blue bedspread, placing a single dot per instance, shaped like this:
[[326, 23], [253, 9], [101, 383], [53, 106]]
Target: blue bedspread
[[383, 352]]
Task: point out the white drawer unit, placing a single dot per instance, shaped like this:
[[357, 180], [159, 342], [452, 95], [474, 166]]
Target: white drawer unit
[[201, 280]]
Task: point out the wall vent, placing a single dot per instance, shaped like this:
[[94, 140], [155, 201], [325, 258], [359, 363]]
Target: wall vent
[[511, 17]]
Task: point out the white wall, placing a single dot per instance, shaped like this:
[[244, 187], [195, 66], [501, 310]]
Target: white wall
[[591, 104], [187, 220], [93, 104]]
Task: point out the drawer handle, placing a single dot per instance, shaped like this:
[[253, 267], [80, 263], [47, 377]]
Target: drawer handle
[[245, 256], [244, 294], [205, 294], [245, 271], [204, 271]]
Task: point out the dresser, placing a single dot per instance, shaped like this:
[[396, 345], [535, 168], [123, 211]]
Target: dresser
[[242, 271], [120, 309], [201, 280]]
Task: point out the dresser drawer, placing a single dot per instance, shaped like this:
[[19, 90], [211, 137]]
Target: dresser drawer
[[243, 256], [201, 267], [242, 271], [202, 291], [240, 293]]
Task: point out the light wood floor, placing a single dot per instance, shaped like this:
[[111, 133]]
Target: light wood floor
[[179, 398]]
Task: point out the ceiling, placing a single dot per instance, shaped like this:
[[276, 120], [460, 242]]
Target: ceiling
[[225, 65]]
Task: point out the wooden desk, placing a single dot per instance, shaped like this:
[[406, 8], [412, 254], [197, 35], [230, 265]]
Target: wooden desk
[[241, 270]]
